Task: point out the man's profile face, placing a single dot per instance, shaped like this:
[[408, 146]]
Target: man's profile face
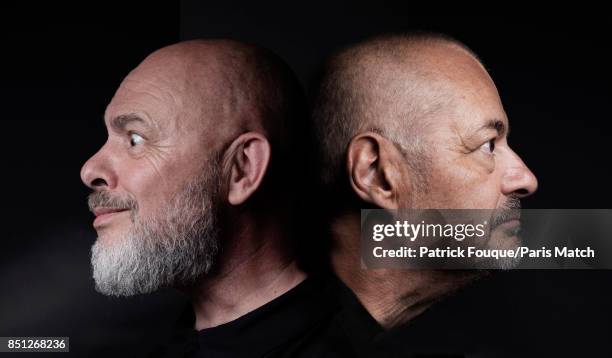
[[465, 161], [471, 165], [154, 186]]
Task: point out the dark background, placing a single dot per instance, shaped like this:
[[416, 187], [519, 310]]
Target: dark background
[[60, 68]]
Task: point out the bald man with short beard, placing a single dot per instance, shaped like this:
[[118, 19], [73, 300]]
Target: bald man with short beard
[[408, 121], [189, 191]]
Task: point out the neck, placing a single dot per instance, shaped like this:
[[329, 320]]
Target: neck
[[256, 269], [391, 296]]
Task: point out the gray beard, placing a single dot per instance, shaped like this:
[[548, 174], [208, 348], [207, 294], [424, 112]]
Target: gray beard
[[509, 210], [173, 248]]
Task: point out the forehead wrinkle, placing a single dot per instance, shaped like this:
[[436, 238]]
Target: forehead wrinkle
[[164, 92], [148, 121], [189, 97], [226, 87]]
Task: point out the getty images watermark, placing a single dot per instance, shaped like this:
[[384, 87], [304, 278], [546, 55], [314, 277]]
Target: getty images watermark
[[486, 239]]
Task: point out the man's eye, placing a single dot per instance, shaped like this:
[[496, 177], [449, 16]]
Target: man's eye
[[135, 139], [489, 146]]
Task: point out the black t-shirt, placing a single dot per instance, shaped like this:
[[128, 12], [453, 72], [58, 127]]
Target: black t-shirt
[[310, 320], [320, 317], [362, 336]]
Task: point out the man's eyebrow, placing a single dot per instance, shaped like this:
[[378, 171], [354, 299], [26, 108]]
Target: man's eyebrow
[[120, 122], [498, 125]]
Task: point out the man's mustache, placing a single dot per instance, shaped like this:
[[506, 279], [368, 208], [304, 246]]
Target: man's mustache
[[104, 199], [511, 210]]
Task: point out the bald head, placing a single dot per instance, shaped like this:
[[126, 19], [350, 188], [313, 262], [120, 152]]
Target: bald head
[[394, 86], [226, 85]]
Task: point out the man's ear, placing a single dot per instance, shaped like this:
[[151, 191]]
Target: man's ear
[[250, 155], [375, 172]]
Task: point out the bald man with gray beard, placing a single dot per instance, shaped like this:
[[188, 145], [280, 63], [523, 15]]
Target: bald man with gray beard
[[189, 191]]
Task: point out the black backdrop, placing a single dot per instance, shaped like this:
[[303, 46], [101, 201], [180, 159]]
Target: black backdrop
[[60, 68]]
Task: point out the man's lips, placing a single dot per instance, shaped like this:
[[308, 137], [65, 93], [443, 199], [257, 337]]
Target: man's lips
[[105, 214], [511, 216], [510, 227]]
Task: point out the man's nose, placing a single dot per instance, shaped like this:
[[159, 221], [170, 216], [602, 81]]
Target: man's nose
[[97, 172], [518, 180]]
